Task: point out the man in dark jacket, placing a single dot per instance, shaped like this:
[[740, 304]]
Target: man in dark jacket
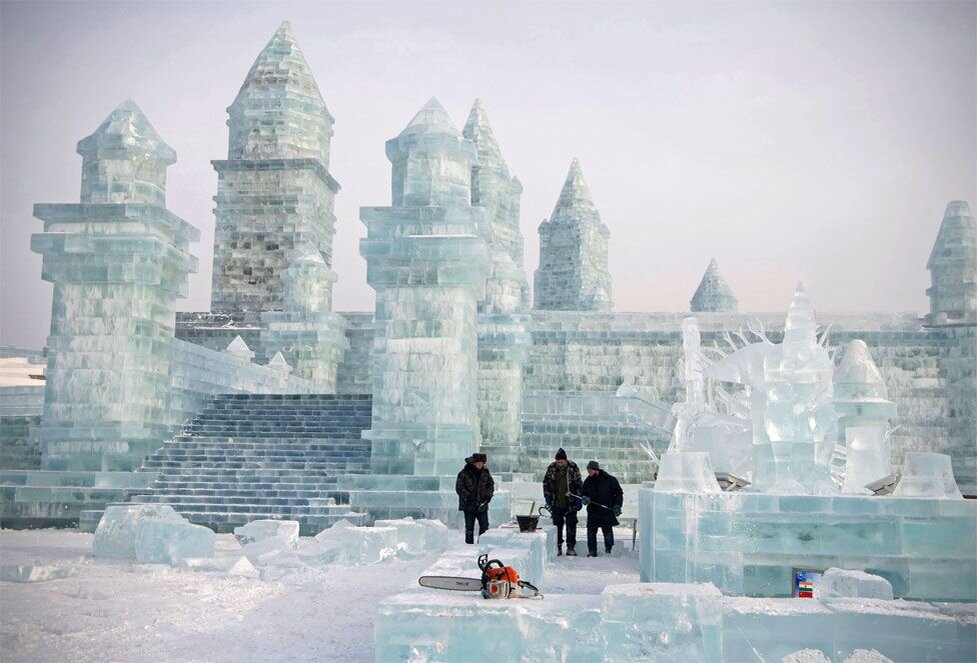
[[475, 488], [603, 496], [563, 477]]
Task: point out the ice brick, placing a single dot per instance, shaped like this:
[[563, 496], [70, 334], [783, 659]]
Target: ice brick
[[854, 584], [257, 530], [167, 542], [115, 535]]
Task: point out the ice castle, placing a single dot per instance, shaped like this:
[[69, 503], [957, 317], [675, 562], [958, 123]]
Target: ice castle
[[272, 404]]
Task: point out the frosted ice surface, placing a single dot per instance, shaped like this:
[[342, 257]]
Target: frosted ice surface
[[687, 472], [115, 535], [167, 541], [927, 475], [868, 457], [257, 530], [36, 572], [266, 547], [422, 535], [853, 584], [232, 565], [867, 656], [806, 656]]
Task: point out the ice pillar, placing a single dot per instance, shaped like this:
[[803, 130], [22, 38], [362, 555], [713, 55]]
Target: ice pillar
[[428, 262], [503, 326], [118, 261]]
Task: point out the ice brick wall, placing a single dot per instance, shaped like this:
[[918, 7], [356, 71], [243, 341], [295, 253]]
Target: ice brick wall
[[18, 449], [354, 373]]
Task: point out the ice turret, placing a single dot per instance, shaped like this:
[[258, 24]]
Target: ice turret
[[572, 273], [953, 268], [118, 261], [279, 112], [431, 161], [308, 282], [713, 294], [274, 190], [124, 160]]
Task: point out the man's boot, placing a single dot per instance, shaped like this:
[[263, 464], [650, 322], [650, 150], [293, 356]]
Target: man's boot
[[571, 552], [607, 549], [559, 551], [592, 553]]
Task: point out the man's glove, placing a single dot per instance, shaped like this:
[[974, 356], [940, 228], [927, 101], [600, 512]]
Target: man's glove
[[549, 502], [617, 510], [577, 504], [585, 501]]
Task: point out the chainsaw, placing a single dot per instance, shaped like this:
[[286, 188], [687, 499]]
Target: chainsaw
[[498, 581]]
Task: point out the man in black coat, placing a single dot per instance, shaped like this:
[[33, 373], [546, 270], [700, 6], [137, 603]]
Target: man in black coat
[[475, 488], [562, 479], [604, 498]]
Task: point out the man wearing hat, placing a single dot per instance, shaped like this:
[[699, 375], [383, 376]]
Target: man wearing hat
[[603, 496], [563, 477], [475, 488]]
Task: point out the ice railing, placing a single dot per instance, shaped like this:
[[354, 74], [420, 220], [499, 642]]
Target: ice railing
[[651, 412]]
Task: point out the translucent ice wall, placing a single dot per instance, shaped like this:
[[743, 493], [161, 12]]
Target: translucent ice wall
[[118, 261], [953, 267]]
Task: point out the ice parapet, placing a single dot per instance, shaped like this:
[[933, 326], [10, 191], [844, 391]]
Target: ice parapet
[[853, 584], [256, 530], [151, 534], [927, 475], [686, 472]]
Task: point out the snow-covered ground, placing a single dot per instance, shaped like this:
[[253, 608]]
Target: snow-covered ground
[[121, 611]]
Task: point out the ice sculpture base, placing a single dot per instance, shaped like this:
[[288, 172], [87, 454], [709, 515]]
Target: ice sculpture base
[[748, 543], [393, 496]]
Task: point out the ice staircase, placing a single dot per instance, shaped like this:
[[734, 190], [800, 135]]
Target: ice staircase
[[589, 426], [251, 456]]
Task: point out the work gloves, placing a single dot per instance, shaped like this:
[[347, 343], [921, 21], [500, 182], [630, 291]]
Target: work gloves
[[616, 510]]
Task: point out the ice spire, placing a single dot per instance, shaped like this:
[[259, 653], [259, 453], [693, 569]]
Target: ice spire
[[953, 267], [713, 294], [431, 161], [478, 130], [279, 112], [575, 194], [124, 136], [572, 274], [800, 327]]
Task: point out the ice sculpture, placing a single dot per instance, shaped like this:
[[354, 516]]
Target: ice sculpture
[[572, 273], [118, 261], [927, 475], [713, 294], [274, 190]]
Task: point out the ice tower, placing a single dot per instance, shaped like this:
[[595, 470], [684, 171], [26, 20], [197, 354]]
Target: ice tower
[[953, 267], [713, 294], [572, 273], [503, 326], [274, 191], [118, 261]]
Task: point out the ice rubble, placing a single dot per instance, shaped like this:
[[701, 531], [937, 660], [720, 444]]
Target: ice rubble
[[151, 534], [854, 584], [257, 530], [36, 572]]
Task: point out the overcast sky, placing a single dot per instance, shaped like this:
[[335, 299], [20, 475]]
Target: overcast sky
[[815, 142]]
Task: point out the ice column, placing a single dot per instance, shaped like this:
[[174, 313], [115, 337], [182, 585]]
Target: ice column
[[572, 273], [118, 261], [503, 326], [713, 294], [307, 333], [794, 421], [864, 410], [953, 267], [274, 191], [427, 262]]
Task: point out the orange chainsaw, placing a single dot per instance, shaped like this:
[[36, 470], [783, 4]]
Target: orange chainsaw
[[498, 581]]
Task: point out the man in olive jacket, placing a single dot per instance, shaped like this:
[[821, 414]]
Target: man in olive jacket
[[562, 477], [475, 488], [604, 498]]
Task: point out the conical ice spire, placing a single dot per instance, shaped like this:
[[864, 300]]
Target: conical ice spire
[[713, 293], [478, 130], [857, 376], [800, 327], [125, 129], [575, 193], [432, 118], [953, 267], [278, 112]]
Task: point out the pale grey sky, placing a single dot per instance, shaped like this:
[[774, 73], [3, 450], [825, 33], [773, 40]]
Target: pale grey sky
[[791, 141]]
